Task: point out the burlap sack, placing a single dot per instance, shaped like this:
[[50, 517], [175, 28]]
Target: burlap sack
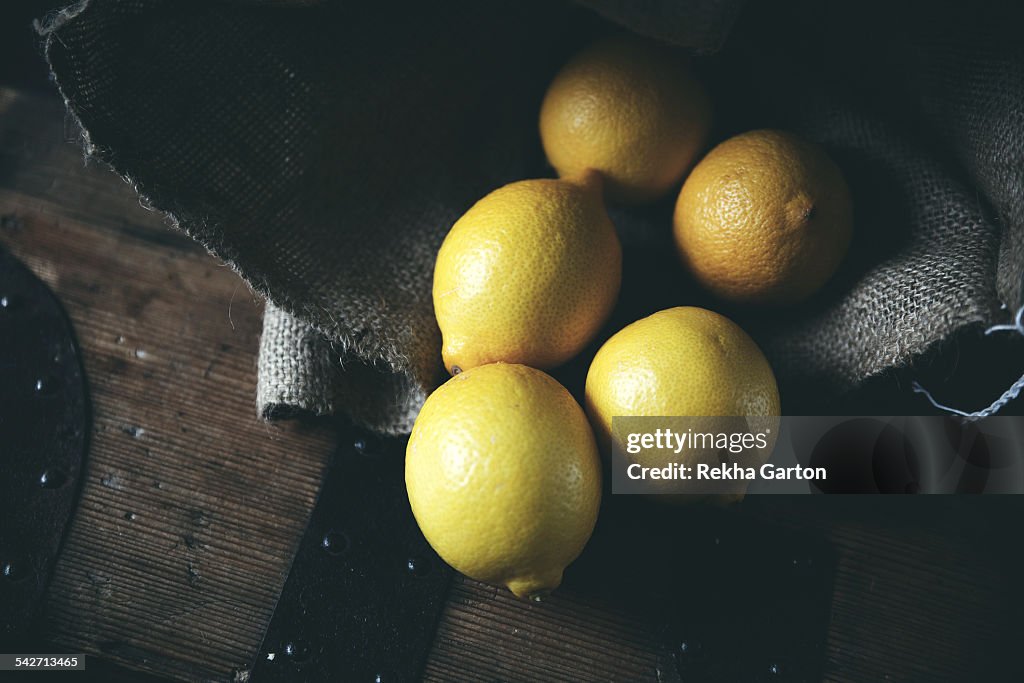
[[324, 151]]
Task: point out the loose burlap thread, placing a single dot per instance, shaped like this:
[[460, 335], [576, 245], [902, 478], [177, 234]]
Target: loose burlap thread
[[324, 151]]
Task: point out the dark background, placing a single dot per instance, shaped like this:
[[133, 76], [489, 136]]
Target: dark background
[[21, 61]]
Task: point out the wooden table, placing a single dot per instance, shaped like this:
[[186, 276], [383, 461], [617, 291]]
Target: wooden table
[[192, 507]]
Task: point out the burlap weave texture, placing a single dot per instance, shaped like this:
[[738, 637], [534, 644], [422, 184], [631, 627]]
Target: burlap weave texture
[[324, 151]]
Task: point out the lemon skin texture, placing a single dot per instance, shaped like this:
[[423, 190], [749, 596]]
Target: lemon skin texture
[[630, 109], [504, 477], [765, 217], [688, 362], [528, 275]]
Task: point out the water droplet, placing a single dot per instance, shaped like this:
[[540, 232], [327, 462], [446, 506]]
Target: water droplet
[[53, 479], [382, 678], [776, 669], [119, 339], [199, 518], [803, 567], [334, 543], [418, 566], [46, 386], [192, 574], [297, 650], [133, 431], [111, 481], [367, 444], [691, 649], [8, 303], [456, 370], [130, 516], [14, 570]]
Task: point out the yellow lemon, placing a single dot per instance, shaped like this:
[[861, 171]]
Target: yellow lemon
[[765, 217], [688, 362], [503, 476], [630, 109], [527, 275]]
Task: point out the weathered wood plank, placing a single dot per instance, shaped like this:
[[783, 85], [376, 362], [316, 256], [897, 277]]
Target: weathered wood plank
[[922, 591], [192, 507], [487, 634]]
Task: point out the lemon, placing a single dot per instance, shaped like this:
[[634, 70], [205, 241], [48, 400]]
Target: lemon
[[527, 275], [630, 109], [765, 217], [503, 476], [680, 361], [688, 362]]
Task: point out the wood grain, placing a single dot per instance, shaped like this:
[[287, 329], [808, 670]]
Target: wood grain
[[487, 634], [192, 507], [920, 594]]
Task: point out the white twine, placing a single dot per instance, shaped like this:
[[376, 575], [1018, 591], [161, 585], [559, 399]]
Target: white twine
[[1016, 326]]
